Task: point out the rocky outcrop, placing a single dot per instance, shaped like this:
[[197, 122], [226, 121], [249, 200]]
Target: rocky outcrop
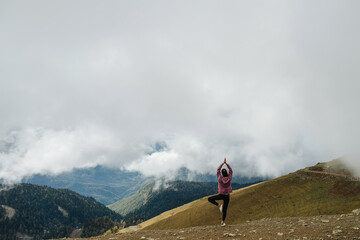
[[9, 211]]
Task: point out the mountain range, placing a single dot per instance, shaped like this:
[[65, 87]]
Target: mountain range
[[324, 189], [42, 212], [155, 198], [109, 185], [106, 185]]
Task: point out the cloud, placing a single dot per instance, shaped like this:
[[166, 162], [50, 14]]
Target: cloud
[[47, 151], [273, 87]]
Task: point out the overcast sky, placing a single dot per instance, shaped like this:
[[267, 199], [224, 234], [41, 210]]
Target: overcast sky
[[157, 85]]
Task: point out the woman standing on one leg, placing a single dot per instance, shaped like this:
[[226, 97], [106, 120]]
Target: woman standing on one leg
[[224, 190]]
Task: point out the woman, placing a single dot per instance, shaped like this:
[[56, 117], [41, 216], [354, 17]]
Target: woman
[[224, 190]]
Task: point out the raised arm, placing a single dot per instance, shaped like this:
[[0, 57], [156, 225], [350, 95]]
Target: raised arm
[[230, 170], [218, 170]]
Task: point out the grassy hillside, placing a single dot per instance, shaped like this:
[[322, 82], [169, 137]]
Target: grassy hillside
[[307, 192], [134, 202], [43, 212], [149, 201]]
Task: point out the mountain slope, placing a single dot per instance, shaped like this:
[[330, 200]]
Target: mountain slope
[[306, 192], [151, 200], [135, 201], [43, 212]]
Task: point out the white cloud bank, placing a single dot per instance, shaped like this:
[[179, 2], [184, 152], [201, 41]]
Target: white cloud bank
[[272, 86]]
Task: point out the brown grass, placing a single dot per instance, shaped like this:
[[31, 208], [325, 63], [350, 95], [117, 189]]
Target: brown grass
[[297, 194]]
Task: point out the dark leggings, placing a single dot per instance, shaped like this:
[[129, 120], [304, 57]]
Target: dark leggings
[[225, 197]]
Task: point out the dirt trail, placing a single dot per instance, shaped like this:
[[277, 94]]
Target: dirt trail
[[345, 226], [325, 173], [347, 177]]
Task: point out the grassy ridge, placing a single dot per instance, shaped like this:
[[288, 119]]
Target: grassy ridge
[[297, 194], [149, 202]]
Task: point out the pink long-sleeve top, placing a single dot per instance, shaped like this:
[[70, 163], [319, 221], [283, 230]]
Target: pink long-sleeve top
[[224, 186]]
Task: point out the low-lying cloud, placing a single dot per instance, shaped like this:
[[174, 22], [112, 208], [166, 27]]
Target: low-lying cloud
[[84, 85]]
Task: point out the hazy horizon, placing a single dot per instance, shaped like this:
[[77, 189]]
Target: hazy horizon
[[153, 86]]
